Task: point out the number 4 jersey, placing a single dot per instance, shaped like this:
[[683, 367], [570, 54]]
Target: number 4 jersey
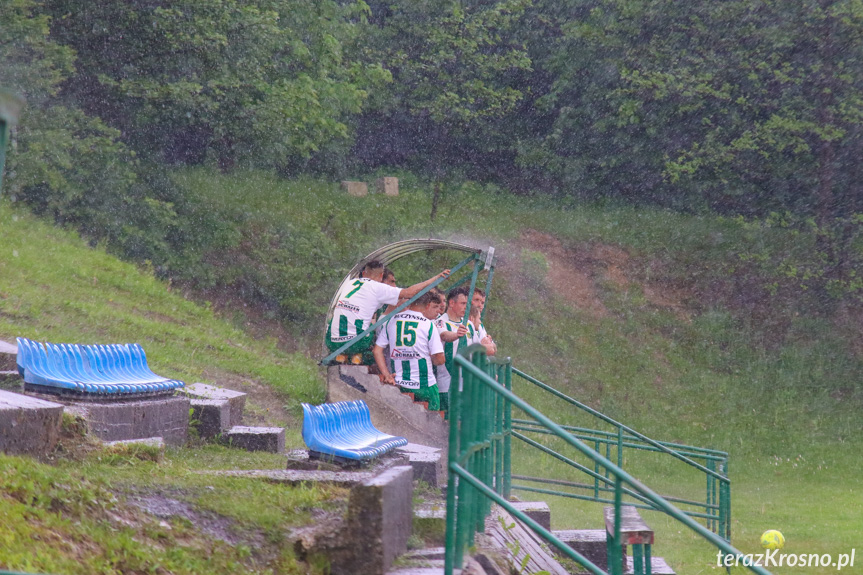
[[359, 299], [412, 339]]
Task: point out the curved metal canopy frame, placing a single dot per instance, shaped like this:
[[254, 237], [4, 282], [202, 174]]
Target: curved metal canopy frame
[[395, 251]]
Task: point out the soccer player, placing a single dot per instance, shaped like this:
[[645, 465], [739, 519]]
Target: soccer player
[[450, 332], [414, 348], [358, 301], [477, 304]]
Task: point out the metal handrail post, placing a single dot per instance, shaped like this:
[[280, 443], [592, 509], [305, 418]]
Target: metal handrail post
[[507, 440], [616, 557]]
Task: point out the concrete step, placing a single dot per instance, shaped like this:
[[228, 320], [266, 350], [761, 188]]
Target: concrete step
[[28, 426], [270, 439], [430, 554], [165, 417], [536, 510], [391, 410], [427, 462], [589, 542], [215, 409]]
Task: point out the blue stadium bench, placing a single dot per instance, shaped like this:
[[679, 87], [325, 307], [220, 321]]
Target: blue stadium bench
[[344, 430], [104, 370]]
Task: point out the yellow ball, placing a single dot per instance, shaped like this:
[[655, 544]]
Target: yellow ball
[[772, 539]]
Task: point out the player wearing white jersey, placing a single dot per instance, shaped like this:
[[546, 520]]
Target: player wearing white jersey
[[358, 301], [414, 348], [451, 330]]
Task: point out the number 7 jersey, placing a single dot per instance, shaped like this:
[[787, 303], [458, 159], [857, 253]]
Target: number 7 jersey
[[358, 301], [412, 339]]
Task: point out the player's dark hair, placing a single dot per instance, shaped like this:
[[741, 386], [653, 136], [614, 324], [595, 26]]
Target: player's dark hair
[[426, 299], [388, 273], [371, 266], [455, 292]]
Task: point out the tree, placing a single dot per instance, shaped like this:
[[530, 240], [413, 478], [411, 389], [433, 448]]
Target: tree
[[452, 64], [261, 81]]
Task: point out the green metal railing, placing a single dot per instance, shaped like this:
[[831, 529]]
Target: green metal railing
[[481, 431], [715, 509]]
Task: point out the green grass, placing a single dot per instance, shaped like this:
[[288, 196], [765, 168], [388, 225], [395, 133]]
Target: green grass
[[783, 402], [76, 517], [53, 288]]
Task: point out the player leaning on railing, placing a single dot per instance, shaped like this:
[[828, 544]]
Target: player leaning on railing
[[407, 349], [358, 301]]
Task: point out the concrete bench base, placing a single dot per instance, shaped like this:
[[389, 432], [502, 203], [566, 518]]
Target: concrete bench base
[[167, 418], [427, 462], [270, 439], [215, 409], [28, 426], [536, 510]]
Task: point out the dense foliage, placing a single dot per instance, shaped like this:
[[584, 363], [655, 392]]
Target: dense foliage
[[744, 108]]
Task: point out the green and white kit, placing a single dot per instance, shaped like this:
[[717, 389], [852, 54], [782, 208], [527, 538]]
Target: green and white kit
[[412, 339], [358, 301]]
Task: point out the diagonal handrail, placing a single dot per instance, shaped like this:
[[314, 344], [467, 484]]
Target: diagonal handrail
[[470, 431], [618, 425]]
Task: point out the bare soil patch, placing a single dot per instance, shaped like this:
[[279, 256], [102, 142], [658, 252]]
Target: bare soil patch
[[579, 273]]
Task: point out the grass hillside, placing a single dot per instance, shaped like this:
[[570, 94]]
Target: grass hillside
[[53, 287], [657, 319]]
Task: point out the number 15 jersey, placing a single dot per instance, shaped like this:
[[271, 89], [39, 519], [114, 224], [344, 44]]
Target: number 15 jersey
[[412, 339]]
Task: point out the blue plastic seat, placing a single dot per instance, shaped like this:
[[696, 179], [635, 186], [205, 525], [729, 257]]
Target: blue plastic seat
[[345, 430], [119, 369]]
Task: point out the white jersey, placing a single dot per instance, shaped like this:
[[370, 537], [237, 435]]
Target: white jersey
[[444, 372], [475, 334], [412, 339], [358, 301]]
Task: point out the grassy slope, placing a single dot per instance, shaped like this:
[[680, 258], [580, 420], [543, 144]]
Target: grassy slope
[[53, 287], [704, 381], [787, 413]]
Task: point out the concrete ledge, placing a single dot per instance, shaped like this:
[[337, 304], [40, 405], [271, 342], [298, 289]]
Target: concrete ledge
[[588, 542], [204, 392], [380, 518], [212, 416], [536, 510], [300, 477], [167, 418], [270, 439], [28, 426], [392, 411], [427, 463]]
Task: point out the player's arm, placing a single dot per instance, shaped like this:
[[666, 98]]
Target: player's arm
[[438, 359], [490, 345], [410, 292], [448, 336], [381, 362]]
